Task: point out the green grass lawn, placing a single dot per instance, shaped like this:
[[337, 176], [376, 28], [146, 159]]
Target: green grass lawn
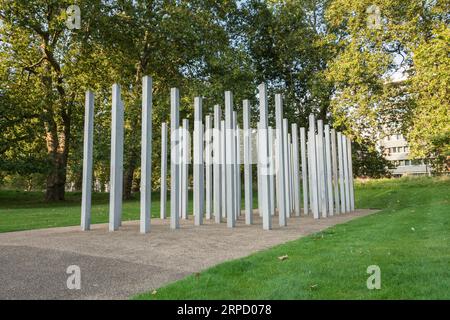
[[20, 210], [409, 239], [27, 210]]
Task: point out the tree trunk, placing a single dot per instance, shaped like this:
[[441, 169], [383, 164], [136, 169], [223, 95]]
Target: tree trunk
[[57, 127], [57, 150], [133, 158], [56, 179], [135, 135], [78, 181], [128, 176]]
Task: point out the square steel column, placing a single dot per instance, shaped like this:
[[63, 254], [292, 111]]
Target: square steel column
[[350, 174], [335, 171], [163, 182], [217, 194], [346, 176], [329, 175], [229, 158], [174, 159], [116, 172], [263, 158], [291, 181], [120, 148], [223, 168], [286, 168], [296, 169], [276, 168], [181, 169], [272, 171], [87, 161], [235, 166], [321, 163], [291, 174], [238, 170], [146, 156], [304, 170], [341, 172], [281, 162], [312, 159], [184, 168], [199, 191], [208, 167], [258, 171], [248, 192]]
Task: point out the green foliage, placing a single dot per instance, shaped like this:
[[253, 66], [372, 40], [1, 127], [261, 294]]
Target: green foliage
[[368, 162], [412, 35], [46, 68], [440, 152], [23, 181], [285, 41], [430, 120]]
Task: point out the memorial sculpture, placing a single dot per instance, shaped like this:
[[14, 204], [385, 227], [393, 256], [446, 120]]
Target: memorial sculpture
[[298, 171]]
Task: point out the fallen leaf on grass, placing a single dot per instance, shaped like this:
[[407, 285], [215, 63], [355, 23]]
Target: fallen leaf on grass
[[154, 292], [283, 257]]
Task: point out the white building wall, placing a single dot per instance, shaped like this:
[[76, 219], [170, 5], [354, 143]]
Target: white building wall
[[395, 149]]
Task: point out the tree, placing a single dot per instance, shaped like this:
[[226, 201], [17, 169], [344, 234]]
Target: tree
[[178, 44], [42, 75], [47, 68], [430, 120], [411, 36], [284, 40], [368, 161], [31, 40]]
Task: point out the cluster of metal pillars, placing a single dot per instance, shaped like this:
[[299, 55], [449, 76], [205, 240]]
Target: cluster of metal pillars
[[291, 164]]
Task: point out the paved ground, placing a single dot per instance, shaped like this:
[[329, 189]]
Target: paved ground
[[116, 265]]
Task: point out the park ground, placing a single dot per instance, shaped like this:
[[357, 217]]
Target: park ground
[[409, 239]]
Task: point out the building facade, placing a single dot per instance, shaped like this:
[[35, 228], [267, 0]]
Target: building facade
[[396, 150]]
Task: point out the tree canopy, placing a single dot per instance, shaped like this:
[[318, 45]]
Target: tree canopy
[[334, 58]]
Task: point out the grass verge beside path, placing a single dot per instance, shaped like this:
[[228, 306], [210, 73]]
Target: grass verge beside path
[[21, 210]]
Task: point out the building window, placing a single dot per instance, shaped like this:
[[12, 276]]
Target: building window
[[407, 162]]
